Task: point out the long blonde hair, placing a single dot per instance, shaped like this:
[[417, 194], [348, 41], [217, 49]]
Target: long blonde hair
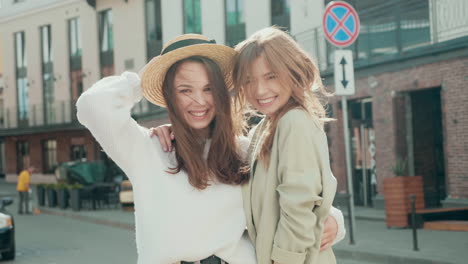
[[296, 71]]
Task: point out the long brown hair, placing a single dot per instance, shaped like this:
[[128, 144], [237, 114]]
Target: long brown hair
[[223, 162], [296, 71]]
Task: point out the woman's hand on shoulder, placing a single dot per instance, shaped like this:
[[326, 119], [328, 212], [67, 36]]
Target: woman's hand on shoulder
[[165, 136]]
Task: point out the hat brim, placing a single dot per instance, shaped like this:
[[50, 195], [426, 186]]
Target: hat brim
[[153, 77]]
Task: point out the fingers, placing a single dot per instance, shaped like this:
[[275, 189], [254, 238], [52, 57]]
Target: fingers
[[153, 132], [329, 233], [325, 246], [166, 137]]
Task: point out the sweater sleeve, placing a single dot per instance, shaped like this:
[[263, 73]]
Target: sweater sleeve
[[301, 145], [338, 216], [105, 109]]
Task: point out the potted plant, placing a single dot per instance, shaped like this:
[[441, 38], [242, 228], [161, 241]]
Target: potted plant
[[41, 190], [51, 195], [396, 193], [62, 195], [75, 196]]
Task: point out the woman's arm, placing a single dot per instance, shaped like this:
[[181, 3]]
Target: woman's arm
[[105, 109]]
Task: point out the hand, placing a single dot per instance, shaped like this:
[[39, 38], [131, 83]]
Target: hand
[[330, 230], [165, 136]]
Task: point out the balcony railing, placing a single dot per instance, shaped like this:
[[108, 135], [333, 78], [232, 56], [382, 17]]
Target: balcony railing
[[400, 30], [61, 113]]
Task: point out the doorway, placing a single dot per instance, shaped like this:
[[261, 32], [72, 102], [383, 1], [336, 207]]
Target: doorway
[[362, 151]]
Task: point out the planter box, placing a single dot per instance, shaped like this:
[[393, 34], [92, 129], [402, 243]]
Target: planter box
[[51, 197], [75, 199], [397, 201], [62, 198], [40, 195]]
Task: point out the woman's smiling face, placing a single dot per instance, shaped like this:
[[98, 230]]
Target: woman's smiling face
[[264, 90], [193, 93]]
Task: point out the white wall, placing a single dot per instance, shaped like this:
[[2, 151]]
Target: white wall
[[212, 20], [257, 15], [129, 33], [305, 15], [172, 20]]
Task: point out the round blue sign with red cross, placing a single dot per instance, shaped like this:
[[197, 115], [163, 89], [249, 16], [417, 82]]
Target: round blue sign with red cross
[[340, 24]]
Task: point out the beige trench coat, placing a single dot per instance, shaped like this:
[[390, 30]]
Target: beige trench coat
[[287, 203]]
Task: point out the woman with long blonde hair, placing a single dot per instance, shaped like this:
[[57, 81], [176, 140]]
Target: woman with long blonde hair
[[291, 189]]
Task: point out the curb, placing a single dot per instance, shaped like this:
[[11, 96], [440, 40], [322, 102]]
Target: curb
[[89, 219], [382, 258]]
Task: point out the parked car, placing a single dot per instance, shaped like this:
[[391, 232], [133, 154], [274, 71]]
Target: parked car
[[7, 231], [126, 195]]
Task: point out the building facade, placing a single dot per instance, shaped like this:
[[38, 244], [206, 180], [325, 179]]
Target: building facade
[[411, 72], [410, 106], [52, 50]]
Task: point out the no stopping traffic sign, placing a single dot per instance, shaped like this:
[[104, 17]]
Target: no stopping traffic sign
[[340, 24]]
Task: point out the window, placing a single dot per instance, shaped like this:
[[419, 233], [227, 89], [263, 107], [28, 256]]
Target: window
[[74, 36], [21, 79], [77, 152], [47, 75], [235, 23], [280, 14], [2, 157], [192, 16], [49, 155], [106, 43], [22, 155], [153, 28], [76, 73]]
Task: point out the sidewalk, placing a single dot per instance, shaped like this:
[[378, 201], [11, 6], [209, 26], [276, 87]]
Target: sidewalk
[[374, 242]]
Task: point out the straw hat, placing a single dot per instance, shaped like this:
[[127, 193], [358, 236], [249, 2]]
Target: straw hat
[[182, 47]]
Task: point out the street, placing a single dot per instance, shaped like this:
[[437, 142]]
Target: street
[[48, 239]]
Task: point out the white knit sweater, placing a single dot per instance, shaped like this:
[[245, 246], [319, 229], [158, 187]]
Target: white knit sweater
[[174, 221]]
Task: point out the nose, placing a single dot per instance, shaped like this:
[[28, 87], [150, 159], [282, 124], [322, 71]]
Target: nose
[[200, 98], [260, 88]]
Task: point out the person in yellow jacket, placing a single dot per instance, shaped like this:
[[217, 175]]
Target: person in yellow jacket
[[22, 187]]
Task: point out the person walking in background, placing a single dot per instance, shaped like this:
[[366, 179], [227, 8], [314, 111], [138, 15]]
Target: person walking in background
[[24, 180]]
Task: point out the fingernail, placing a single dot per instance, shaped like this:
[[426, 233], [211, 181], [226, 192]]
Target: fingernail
[[165, 149]]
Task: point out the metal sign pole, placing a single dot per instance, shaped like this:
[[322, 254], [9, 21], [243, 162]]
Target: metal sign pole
[[352, 222], [341, 27]]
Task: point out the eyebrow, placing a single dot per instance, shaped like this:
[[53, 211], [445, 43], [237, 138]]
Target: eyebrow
[[269, 73], [190, 86], [184, 86]]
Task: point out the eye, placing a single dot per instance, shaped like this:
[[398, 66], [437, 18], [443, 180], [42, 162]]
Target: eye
[[271, 76], [207, 89], [183, 91]]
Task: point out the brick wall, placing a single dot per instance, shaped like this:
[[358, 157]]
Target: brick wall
[[452, 76], [64, 142]]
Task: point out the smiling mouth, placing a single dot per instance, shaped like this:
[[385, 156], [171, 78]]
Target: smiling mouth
[[266, 101], [198, 114]]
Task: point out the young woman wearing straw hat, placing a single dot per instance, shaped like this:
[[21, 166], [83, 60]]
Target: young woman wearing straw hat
[[188, 203]]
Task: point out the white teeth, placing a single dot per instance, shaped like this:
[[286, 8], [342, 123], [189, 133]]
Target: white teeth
[[198, 113], [266, 101]]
